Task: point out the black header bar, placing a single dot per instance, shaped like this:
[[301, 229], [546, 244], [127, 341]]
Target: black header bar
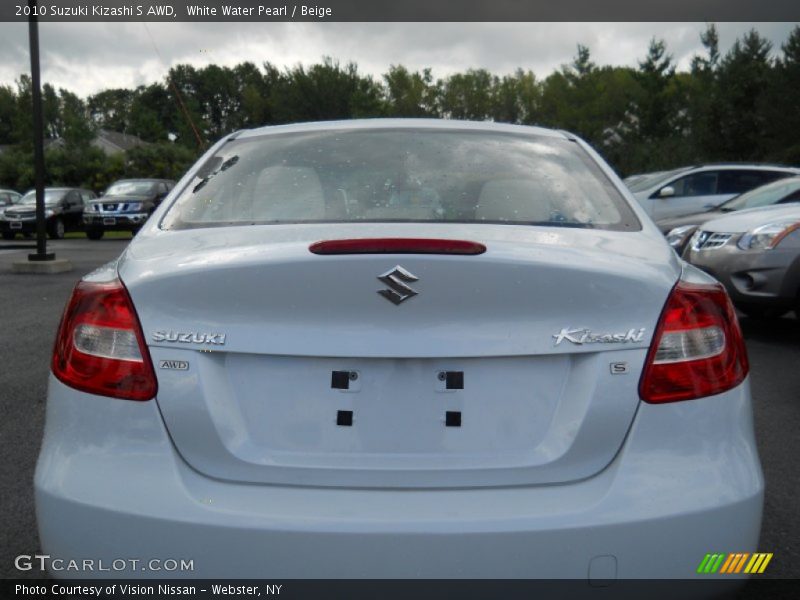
[[403, 10]]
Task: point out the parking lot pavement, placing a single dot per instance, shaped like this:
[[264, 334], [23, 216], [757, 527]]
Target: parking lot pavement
[[30, 309], [31, 305]]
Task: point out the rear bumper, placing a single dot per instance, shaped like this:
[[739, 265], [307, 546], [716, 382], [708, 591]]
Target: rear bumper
[[19, 226], [109, 485]]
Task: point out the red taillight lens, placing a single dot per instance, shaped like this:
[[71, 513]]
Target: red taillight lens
[[99, 346], [698, 349]]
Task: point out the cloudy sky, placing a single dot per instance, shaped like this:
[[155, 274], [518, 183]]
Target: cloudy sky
[[88, 57]]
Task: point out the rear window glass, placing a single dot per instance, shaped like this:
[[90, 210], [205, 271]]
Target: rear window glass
[[50, 196], [648, 180], [697, 184], [407, 175], [779, 191], [130, 188]]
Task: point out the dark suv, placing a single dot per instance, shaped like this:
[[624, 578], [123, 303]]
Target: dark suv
[[124, 206], [63, 210]]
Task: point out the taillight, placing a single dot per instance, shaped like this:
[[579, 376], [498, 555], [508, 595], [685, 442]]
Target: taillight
[[99, 346], [698, 349]]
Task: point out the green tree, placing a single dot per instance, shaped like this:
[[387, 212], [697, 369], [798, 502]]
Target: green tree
[[153, 114], [76, 126], [111, 109], [660, 121], [411, 94], [516, 98], [165, 160], [703, 99], [325, 91], [656, 108], [593, 102], [16, 168], [781, 105], [744, 77], [184, 106], [8, 114], [254, 90], [468, 95]]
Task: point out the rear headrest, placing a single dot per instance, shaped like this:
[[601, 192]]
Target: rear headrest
[[514, 200], [288, 194]]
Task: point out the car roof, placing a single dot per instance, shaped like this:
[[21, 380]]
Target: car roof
[[432, 124], [722, 165], [657, 179], [148, 179], [756, 166], [58, 189]]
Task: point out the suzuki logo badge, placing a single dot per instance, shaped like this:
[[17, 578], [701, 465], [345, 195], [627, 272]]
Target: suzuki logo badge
[[396, 279]]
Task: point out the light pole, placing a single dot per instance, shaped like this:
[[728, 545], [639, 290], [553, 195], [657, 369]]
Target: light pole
[[41, 253]]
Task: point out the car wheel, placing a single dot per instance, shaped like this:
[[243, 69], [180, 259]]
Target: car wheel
[[762, 312], [57, 230], [94, 234], [9, 235]]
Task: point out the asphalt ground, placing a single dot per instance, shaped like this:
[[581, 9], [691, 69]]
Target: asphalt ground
[[30, 309]]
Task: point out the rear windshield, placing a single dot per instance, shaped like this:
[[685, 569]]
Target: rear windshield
[[407, 175], [783, 191]]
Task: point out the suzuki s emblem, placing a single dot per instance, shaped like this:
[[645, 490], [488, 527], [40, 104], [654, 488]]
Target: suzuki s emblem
[[397, 279]]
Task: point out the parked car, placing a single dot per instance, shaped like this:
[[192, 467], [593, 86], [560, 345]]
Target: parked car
[[679, 230], [400, 348], [125, 206], [63, 211], [8, 198], [694, 189], [631, 180], [755, 253]]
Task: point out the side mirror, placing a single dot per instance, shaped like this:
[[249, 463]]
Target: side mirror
[[666, 192]]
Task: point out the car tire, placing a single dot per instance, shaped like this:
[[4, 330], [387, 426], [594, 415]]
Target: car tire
[[57, 230], [797, 306], [9, 235], [94, 234], [762, 312]]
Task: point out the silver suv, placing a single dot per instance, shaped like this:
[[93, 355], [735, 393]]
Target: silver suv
[[689, 190]]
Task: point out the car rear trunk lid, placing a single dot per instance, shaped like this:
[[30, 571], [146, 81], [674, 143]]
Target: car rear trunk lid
[[276, 365]]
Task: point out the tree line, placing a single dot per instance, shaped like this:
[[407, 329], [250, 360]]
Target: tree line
[[742, 105]]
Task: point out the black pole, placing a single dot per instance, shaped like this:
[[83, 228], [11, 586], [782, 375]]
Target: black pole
[[38, 138]]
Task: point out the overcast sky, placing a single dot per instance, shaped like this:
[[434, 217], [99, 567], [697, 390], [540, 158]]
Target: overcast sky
[[88, 57]]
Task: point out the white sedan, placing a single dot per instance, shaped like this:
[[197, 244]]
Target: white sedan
[[399, 348]]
